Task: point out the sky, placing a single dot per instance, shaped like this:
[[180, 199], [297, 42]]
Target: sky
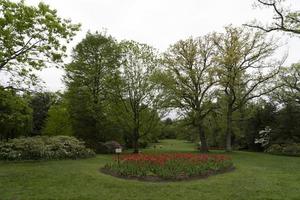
[[159, 23]]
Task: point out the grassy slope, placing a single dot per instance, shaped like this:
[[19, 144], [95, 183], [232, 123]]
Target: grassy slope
[[258, 176]]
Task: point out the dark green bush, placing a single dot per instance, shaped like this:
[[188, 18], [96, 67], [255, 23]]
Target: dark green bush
[[285, 149], [108, 147], [44, 148], [112, 146]]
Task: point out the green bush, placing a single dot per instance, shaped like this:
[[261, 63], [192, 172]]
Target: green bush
[[285, 149], [44, 148]]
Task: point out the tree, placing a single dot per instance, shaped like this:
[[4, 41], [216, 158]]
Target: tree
[[31, 38], [168, 129], [246, 69], [137, 95], [40, 103], [58, 121], [89, 77], [291, 80], [190, 80], [15, 115], [262, 116], [283, 20], [286, 128], [214, 126]]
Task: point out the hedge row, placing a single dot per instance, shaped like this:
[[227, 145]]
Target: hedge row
[[44, 148]]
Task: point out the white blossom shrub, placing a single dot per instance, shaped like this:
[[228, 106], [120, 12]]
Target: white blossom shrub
[[44, 148]]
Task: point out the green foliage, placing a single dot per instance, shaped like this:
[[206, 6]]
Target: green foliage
[[149, 128], [30, 38], [40, 103], [285, 149], [58, 121], [253, 118], [44, 148], [286, 129], [246, 68], [258, 176], [290, 78], [15, 115], [89, 78], [168, 129], [188, 80], [178, 129], [120, 90], [261, 115], [136, 97]]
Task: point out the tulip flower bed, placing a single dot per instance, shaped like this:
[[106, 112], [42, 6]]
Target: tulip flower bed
[[177, 166]]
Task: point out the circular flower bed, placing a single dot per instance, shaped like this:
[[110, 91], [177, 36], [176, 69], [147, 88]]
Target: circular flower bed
[[179, 166]]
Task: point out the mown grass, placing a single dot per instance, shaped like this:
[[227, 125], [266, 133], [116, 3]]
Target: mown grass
[[257, 176]]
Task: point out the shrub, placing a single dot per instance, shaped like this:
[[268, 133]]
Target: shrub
[[112, 146], [108, 147], [168, 166], [44, 148], [285, 149], [100, 148]]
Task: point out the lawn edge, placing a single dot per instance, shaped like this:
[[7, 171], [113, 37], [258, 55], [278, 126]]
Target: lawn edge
[[156, 179]]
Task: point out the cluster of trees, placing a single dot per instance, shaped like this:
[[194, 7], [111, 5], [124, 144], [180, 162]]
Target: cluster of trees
[[110, 90], [31, 39], [226, 87]]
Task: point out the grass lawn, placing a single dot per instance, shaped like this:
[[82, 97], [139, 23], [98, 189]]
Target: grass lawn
[[258, 176]]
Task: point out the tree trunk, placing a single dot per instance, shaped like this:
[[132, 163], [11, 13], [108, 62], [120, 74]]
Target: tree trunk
[[203, 147], [228, 128]]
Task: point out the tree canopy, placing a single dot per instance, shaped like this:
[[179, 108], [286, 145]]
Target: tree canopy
[[284, 19], [190, 78], [31, 38]]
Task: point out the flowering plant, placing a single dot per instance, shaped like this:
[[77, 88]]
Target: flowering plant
[[169, 166]]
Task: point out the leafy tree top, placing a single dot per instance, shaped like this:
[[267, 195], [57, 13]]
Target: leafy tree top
[[31, 38]]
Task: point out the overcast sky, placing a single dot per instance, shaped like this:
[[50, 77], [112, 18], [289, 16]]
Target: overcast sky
[[159, 22]]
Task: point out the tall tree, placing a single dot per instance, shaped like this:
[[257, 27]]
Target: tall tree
[[88, 77], [137, 94], [283, 19], [31, 38], [246, 69], [190, 79]]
